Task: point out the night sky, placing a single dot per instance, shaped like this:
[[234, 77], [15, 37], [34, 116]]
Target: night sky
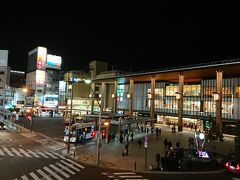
[[135, 38]]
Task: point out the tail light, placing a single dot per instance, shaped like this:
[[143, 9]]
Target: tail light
[[238, 167], [227, 164]]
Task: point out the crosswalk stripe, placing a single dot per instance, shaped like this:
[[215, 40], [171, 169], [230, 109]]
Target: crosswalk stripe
[[24, 177], [34, 176], [70, 165], [33, 153], [1, 153], [137, 179], [7, 151], [50, 155], [136, 176], [43, 174], [52, 173], [25, 153], [82, 167], [65, 168], [60, 171], [42, 154], [16, 152], [56, 147], [59, 155], [124, 173]]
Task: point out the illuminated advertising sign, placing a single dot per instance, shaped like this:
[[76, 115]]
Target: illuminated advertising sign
[[54, 62], [50, 100], [40, 78], [62, 86], [41, 58]]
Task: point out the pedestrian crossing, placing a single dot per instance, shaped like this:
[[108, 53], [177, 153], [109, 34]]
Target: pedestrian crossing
[[54, 145], [124, 175], [61, 170], [21, 153]]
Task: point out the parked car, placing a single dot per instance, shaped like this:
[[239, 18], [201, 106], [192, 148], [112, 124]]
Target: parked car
[[2, 125], [233, 166]]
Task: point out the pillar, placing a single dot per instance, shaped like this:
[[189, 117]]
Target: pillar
[[152, 107], [180, 102], [131, 97], [219, 103], [115, 97], [92, 92]]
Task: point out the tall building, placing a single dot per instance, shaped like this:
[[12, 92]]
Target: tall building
[[4, 75], [96, 67], [43, 76]]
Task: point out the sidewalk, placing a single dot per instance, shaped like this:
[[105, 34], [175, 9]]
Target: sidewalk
[[111, 153]]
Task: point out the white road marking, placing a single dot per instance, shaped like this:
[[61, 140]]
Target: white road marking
[[33, 153], [59, 170], [24, 177], [7, 151], [52, 173], [16, 152], [70, 165], [124, 173], [79, 165], [1, 153], [42, 154], [34, 176], [43, 174], [50, 155], [25, 153], [65, 168]]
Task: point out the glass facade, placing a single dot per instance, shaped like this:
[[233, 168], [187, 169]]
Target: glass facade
[[198, 102]]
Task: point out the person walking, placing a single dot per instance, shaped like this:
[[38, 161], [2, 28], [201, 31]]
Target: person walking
[[126, 147], [131, 136]]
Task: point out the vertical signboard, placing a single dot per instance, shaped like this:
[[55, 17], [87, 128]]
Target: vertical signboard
[[41, 58], [40, 78]]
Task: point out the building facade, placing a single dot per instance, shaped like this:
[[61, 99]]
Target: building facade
[[43, 76], [183, 96]]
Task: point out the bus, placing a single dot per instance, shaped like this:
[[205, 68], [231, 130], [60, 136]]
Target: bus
[[80, 132]]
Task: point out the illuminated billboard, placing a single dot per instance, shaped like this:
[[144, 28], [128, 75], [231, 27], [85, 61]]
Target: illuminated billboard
[[54, 62], [41, 58], [62, 86], [50, 100], [40, 78]]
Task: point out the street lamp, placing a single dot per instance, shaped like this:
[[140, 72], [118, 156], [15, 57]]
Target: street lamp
[[99, 139], [216, 96], [70, 119], [26, 92], [178, 95]]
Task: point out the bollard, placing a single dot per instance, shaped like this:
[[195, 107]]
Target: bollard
[[135, 166]]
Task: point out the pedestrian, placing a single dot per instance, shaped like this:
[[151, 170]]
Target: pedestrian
[[157, 133], [131, 136], [165, 142], [126, 147], [140, 144], [152, 130]]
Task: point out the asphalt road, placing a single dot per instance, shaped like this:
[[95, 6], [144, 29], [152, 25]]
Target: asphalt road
[[28, 168], [22, 158]]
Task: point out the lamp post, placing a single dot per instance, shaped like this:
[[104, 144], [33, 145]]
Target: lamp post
[[70, 119], [26, 92], [99, 138]]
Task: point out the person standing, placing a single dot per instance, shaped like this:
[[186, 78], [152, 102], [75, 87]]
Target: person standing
[[157, 133]]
